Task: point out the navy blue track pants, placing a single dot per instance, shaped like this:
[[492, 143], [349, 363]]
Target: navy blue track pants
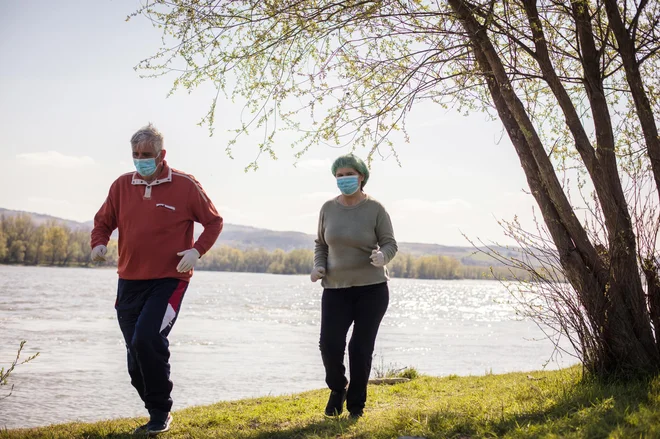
[[147, 310]]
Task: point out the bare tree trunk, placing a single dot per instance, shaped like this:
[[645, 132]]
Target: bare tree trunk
[[629, 321], [626, 42]]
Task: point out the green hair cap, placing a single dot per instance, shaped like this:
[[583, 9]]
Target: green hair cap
[[353, 162]]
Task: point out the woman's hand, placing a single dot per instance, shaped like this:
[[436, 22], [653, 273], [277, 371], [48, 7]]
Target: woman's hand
[[377, 258], [317, 273]]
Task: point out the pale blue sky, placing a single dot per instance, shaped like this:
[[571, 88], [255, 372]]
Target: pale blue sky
[[70, 101]]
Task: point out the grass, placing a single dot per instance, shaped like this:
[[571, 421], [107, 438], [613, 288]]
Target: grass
[[391, 370], [556, 404]]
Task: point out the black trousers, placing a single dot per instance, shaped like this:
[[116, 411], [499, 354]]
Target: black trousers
[[364, 307], [147, 310]]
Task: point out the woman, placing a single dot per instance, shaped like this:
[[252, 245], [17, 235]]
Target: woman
[[355, 241]]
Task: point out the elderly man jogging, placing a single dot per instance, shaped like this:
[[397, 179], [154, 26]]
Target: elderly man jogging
[[154, 209]]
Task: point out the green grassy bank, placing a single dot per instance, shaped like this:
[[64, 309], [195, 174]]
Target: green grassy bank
[[556, 404]]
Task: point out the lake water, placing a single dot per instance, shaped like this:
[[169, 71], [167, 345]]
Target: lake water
[[238, 335]]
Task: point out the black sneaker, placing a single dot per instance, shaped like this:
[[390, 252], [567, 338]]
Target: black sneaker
[[357, 414], [160, 423], [335, 403]]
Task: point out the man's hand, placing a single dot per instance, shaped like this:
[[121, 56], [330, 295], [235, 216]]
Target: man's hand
[[188, 261], [317, 273], [377, 258], [98, 253]]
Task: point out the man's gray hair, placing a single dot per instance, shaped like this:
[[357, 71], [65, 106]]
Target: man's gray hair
[[149, 134]]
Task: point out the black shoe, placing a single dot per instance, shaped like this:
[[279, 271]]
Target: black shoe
[[335, 403], [357, 414], [159, 423]]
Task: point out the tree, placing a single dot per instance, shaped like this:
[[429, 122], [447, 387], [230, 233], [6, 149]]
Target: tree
[[57, 240], [574, 84], [17, 251], [78, 243], [37, 245], [3, 245]]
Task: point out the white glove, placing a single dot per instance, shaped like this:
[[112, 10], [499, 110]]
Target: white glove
[[98, 253], [188, 261], [317, 273], [377, 258]]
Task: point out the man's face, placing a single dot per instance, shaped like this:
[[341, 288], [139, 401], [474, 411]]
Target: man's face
[[145, 150]]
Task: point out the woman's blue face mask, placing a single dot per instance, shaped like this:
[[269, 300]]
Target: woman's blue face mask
[[349, 184]]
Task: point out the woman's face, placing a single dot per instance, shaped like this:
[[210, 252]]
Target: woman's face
[[345, 172], [349, 181]]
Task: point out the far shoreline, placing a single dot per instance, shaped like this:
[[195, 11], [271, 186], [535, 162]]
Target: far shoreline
[[105, 267]]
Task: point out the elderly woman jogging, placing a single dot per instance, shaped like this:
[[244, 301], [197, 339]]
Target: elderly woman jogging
[[355, 241]]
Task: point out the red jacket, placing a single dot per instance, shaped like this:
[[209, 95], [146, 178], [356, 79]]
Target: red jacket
[[155, 222]]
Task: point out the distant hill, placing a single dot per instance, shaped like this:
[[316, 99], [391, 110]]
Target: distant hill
[[40, 218], [246, 237]]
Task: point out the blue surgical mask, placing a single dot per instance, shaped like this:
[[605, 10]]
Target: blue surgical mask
[[348, 185], [145, 167]]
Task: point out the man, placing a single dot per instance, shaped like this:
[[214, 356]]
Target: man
[[154, 209]]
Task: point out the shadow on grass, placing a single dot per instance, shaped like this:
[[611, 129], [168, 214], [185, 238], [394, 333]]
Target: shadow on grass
[[588, 409], [329, 427]]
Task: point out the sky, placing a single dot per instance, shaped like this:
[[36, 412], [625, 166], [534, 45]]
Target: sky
[[70, 101]]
